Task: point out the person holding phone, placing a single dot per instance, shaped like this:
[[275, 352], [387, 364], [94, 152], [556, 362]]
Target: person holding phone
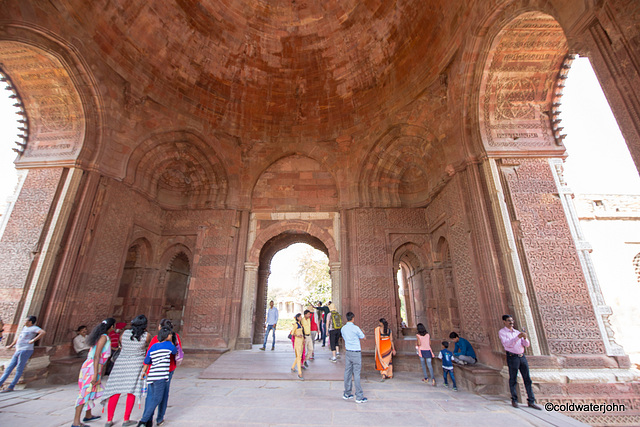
[[514, 343]]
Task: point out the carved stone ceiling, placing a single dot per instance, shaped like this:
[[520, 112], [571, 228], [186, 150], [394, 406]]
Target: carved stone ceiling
[[274, 66]]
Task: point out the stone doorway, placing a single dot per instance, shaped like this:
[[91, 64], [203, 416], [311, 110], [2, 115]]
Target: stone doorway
[[409, 285], [269, 250]]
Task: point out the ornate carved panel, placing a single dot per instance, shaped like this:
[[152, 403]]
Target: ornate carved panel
[[52, 103], [518, 83], [552, 261]]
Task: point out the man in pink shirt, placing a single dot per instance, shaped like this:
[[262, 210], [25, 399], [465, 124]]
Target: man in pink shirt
[[514, 343]]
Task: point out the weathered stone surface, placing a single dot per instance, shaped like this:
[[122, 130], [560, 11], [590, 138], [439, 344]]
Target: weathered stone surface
[[413, 135]]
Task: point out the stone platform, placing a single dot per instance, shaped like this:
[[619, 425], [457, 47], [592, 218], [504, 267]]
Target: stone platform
[[246, 388]]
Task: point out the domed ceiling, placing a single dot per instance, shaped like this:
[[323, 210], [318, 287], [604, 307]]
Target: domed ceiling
[[275, 67]]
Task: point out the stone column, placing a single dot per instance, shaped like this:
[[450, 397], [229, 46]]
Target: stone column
[[248, 305], [261, 305], [602, 310], [335, 270], [36, 287], [609, 42], [511, 258]]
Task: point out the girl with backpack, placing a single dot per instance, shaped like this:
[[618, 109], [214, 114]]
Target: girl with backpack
[[334, 323]]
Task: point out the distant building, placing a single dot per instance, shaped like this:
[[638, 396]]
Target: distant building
[[611, 223]]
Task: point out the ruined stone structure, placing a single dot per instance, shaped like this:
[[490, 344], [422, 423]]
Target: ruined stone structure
[[174, 146]]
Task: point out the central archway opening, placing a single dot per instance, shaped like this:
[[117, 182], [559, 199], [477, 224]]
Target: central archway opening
[[294, 273]]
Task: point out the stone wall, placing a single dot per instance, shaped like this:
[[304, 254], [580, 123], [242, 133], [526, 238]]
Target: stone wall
[[22, 237]]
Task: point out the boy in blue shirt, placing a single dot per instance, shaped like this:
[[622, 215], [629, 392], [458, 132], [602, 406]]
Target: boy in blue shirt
[[447, 364], [159, 361]]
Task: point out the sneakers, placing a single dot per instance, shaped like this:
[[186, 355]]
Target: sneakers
[[447, 385], [455, 389], [131, 423], [333, 359], [347, 396], [86, 420], [159, 424], [273, 348], [306, 364], [262, 348], [363, 400]]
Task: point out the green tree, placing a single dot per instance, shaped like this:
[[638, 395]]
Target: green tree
[[313, 275]]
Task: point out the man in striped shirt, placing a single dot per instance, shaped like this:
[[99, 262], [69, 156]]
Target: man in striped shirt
[[159, 360]]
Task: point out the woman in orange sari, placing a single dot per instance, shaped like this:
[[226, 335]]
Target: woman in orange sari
[[384, 350]]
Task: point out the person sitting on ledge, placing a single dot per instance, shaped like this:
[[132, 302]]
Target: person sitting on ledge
[[463, 353], [79, 342]]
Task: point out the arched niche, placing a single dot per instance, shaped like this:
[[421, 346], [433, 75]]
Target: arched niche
[[176, 286], [178, 170], [132, 290], [409, 265], [442, 299], [62, 109], [521, 85], [396, 170]]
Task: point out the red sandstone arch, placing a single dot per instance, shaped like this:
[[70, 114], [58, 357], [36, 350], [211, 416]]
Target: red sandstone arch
[[134, 280], [272, 246], [57, 89], [412, 260], [172, 251], [298, 228], [517, 82], [173, 284], [396, 170], [178, 170]]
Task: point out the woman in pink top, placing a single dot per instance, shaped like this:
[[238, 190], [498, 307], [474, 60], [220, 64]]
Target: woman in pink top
[[424, 352]]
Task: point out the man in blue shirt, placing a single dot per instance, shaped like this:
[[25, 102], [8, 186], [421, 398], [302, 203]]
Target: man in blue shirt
[[272, 321], [353, 362], [463, 353]]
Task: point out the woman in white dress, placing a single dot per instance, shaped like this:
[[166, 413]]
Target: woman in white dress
[[126, 375]]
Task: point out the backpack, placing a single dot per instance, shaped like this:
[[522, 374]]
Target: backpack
[[336, 320], [179, 355]]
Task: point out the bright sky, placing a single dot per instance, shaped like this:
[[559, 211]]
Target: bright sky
[[285, 264], [8, 134], [599, 160]]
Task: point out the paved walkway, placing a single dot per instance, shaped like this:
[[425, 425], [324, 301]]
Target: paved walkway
[[199, 401]]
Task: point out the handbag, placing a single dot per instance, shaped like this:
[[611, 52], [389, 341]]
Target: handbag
[[179, 355]]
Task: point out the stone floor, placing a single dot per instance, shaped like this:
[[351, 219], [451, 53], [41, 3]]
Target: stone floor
[[197, 399]]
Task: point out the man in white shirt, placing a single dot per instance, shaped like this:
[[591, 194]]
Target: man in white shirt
[[272, 321], [24, 349]]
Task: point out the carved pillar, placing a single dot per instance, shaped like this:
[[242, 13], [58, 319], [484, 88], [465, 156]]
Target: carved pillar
[[248, 305], [550, 260], [261, 305], [602, 310], [335, 270], [511, 258], [616, 62], [36, 287]]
